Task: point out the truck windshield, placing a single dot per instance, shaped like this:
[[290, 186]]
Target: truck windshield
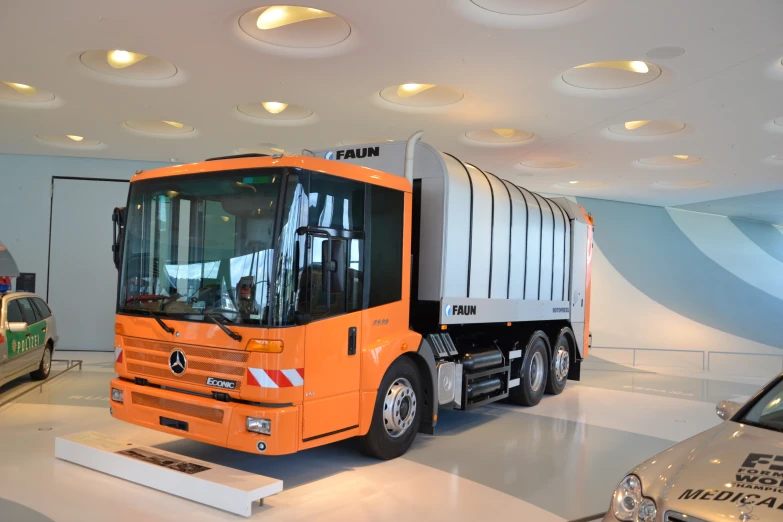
[[203, 245]]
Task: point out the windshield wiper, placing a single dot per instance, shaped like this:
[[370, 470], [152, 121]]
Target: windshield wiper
[[235, 336], [163, 325]]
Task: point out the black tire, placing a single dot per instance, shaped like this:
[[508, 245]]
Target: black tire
[[532, 373], [380, 441], [558, 368], [45, 367]]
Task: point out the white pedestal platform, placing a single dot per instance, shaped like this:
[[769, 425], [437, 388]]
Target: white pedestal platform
[[197, 480]]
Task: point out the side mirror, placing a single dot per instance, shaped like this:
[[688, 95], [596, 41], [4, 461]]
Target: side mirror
[[17, 327], [727, 409]]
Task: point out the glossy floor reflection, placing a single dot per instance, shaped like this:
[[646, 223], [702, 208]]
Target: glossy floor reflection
[[557, 461]]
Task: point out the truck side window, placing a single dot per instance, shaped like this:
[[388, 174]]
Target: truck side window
[[337, 206], [386, 208]]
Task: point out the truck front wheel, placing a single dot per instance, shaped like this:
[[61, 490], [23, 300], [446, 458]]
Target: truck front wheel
[[532, 374], [397, 413]]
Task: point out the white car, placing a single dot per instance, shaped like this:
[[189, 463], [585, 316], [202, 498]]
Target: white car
[[733, 471], [28, 335]]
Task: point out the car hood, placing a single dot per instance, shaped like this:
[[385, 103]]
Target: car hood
[[706, 475]]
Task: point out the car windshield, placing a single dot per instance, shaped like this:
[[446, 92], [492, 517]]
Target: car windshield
[[202, 245], [767, 412]]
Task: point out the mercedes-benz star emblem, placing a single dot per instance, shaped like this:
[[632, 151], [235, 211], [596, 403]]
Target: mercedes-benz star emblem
[[745, 507], [177, 362]]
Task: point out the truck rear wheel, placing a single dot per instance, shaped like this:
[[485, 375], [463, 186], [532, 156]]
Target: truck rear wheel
[[532, 374], [397, 413], [558, 370]]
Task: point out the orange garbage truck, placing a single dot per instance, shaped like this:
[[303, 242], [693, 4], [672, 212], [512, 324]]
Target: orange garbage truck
[[272, 304]]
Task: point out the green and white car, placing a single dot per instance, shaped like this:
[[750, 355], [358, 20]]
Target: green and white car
[[28, 335]]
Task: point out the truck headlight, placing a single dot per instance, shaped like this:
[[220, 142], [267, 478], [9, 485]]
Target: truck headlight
[[117, 395], [263, 426], [629, 505]]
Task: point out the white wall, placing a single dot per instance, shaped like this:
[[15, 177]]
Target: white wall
[[673, 288], [25, 185]]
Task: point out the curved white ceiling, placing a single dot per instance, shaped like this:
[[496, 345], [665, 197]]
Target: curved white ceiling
[[508, 76]]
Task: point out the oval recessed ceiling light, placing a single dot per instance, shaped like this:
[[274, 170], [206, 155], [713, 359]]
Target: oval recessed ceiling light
[[274, 107], [499, 136], [619, 74], [128, 65], [273, 110], [581, 184], [548, 163], [22, 92], [647, 128], [69, 141], [121, 59], [159, 127], [421, 95], [294, 26], [674, 160], [682, 183], [527, 7]]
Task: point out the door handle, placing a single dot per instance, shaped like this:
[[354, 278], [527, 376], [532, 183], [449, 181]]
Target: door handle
[[352, 340]]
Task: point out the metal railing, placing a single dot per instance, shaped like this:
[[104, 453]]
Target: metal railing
[[71, 364], [704, 355]]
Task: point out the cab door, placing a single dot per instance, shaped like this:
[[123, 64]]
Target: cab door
[[18, 344], [35, 336], [333, 256]]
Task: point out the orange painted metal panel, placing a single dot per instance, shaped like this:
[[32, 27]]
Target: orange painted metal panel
[[366, 410], [331, 385], [588, 279], [334, 168], [330, 414], [228, 432], [384, 341]]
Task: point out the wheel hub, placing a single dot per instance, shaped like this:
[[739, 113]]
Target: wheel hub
[[47, 362], [562, 362], [399, 407], [536, 371]]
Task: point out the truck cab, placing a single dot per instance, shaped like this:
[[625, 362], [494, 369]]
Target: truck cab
[[261, 300]]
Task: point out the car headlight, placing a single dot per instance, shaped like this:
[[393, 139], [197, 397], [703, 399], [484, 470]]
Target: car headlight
[[117, 395], [629, 505]]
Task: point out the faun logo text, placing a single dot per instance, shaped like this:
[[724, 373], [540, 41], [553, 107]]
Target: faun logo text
[[364, 152], [460, 310]]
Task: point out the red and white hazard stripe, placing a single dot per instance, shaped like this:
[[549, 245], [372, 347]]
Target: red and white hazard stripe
[[275, 378], [117, 354]]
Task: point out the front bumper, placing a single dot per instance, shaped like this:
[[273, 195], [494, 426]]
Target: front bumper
[[208, 420]]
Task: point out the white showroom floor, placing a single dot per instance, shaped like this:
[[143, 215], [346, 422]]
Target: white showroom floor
[[557, 461]]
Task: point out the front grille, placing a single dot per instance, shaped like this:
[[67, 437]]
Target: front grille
[[195, 351], [183, 408], [165, 373], [673, 516], [147, 357], [151, 359]]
